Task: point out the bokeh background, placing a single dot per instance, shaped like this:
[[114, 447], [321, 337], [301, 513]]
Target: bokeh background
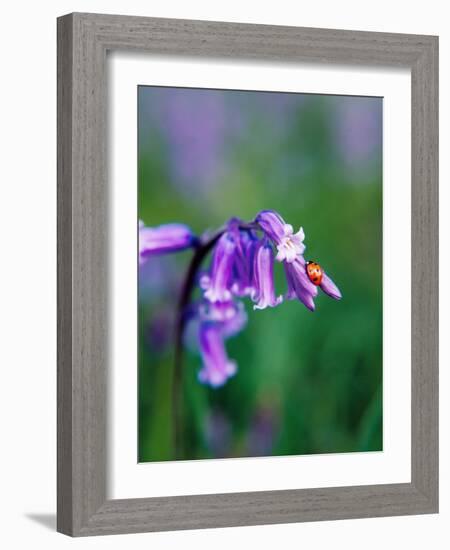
[[307, 382]]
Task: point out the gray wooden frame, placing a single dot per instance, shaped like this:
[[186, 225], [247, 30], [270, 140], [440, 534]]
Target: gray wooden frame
[[83, 41]]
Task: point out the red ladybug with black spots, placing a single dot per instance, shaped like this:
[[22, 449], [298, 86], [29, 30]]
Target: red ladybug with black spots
[[314, 272]]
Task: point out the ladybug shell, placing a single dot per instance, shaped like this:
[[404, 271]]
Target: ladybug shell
[[314, 272]]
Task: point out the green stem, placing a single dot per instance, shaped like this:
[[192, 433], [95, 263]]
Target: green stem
[[203, 248], [183, 302]]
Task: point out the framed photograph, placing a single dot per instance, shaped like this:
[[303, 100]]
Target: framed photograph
[[247, 274]]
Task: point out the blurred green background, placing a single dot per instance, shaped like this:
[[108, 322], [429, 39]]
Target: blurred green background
[[307, 382]]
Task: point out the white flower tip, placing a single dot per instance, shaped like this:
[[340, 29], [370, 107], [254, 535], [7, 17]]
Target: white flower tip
[[205, 282], [231, 368], [266, 304], [213, 296], [281, 255]]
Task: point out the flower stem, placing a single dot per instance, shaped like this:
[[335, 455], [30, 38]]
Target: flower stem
[[203, 247], [185, 297]]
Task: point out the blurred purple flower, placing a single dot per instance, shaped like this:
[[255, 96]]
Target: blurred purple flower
[[230, 316], [280, 114], [218, 433], [170, 237], [159, 331], [264, 291], [217, 367], [195, 127], [262, 431], [217, 321], [359, 130], [160, 279]]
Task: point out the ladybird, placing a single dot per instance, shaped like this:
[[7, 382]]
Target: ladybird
[[314, 272]]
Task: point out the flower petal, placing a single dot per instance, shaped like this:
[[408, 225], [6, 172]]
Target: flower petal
[[230, 317], [264, 293], [217, 367], [299, 285], [330, 288], [170, 237], [243, 262], [272, 224], [221, 270], [289, 245]]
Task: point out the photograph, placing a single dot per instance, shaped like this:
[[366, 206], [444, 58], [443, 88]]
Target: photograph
[[260, 274], [226, 330]]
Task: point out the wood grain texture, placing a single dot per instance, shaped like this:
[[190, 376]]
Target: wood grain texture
[[83, 41], [425, 275], [64, 298]]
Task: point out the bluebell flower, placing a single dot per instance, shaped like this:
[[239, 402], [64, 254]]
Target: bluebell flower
[[299, 285], [218, 433], [217, 367], [264, 288], [217, 285], [246, 244], [242, 265], [216, 322], [302, 288], [289, 244], [170, 237], [230, 316], [328, 286]]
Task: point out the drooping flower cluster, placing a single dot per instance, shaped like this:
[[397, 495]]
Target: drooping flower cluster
[[242, 265], [170, 237]]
